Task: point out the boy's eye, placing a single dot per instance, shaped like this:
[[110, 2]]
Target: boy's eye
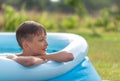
[[42, 39]]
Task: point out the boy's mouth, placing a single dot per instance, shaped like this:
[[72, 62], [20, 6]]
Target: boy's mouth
[[44, 49]]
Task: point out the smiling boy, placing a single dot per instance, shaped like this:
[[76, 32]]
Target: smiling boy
[[31, 37]]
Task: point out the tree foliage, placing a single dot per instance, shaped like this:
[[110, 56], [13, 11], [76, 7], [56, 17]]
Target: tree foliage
[[78, 5]]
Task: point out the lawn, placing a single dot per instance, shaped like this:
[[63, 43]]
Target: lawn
[[104, 52]]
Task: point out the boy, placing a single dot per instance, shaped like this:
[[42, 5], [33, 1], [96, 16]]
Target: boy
[[31, 37]]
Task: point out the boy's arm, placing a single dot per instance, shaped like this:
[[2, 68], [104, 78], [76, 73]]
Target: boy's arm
[[62, 56], [27, 60]]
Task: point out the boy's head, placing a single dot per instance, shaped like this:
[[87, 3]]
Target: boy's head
[[28, 30]]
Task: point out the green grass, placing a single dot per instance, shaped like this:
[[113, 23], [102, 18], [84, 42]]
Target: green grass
[[104, 52]]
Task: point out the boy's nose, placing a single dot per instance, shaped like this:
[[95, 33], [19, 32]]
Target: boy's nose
[[46, 43]]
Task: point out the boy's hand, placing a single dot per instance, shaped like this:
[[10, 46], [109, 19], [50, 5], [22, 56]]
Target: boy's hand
[[11, 56], [27, 60]]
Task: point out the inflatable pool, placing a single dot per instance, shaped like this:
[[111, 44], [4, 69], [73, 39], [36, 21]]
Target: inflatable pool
[[80, 69]]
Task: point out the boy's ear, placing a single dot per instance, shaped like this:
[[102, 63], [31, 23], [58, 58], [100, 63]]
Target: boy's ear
[[25, 44]]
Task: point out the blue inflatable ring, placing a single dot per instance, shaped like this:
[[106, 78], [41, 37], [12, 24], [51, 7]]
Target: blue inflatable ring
[[13, 71]]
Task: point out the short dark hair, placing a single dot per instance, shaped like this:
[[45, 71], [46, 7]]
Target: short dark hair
[[27, 30]]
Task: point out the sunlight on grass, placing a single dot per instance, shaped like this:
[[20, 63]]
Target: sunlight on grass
[[104, 54]]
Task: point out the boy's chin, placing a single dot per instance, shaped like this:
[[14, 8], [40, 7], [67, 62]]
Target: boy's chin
[[43, 53]]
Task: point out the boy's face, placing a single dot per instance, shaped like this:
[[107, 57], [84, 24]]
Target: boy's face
[[38, 45]]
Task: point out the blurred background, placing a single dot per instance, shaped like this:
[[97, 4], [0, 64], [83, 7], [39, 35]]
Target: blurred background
[[98, 21]]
